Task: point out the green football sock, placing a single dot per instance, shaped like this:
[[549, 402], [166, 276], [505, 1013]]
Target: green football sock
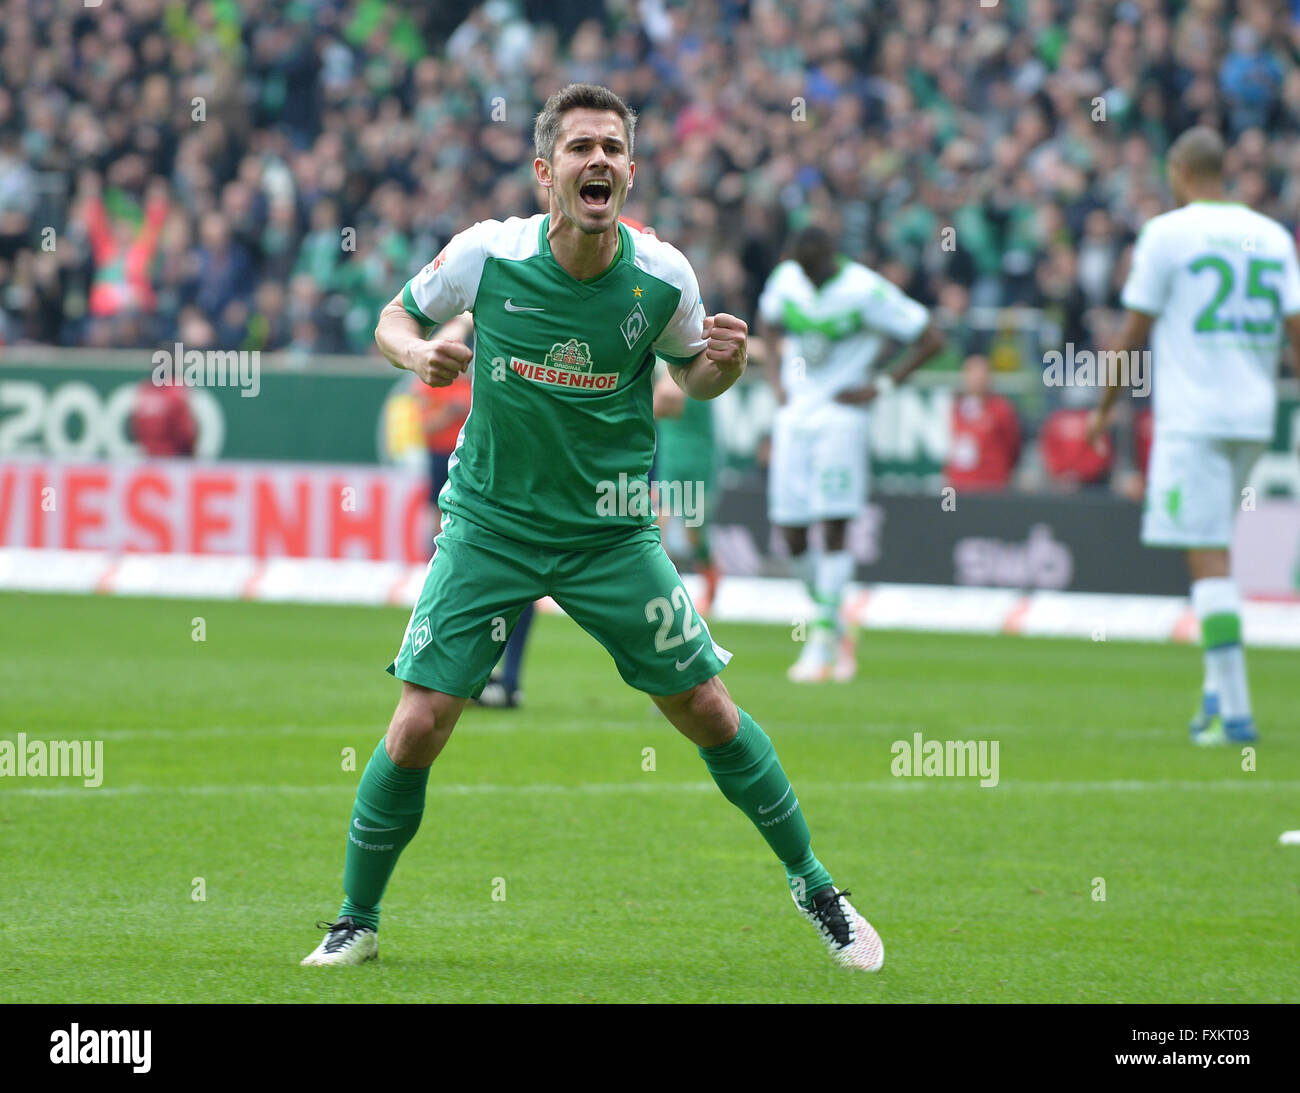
[[386, 816], [750, 776]]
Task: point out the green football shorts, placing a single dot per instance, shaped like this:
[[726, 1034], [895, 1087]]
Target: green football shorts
[[629, 597]]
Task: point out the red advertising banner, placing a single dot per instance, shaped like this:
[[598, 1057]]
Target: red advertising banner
[[262, 510]]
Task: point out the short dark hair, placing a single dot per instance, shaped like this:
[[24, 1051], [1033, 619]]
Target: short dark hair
[[812, 239], [813, 247], [1200, 152], [578, 96]]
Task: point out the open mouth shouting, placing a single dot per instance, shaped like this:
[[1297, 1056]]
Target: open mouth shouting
[[596, 194]]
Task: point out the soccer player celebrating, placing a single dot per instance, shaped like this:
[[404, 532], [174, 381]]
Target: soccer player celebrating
[[1213, 284], [570, 309], [835, 317]]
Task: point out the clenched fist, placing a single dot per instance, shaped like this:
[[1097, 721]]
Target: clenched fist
[[439, 362], [727, 337]]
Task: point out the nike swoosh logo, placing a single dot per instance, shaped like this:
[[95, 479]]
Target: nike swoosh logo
[[515, 307], [681, 664], [362, 827], [764, 811]]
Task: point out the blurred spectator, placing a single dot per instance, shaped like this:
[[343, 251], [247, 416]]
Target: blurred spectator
[[985, 433], [225, 269], [123, 247], [268, 326], [952, 315], [195, 331], [17, 195], [33, 297], [161, 420], [1250, 79], [1068, 458], [980, 157]]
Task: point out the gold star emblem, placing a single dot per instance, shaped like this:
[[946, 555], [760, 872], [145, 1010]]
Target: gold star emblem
[[636, 291]]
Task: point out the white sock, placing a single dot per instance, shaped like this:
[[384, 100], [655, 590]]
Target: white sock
[[834, 568], [1234, 690], [1218, 607]]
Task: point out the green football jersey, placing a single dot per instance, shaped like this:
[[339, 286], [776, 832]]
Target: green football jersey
[[557, 447]]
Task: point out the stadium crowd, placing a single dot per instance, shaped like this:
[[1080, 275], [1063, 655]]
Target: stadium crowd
[[264, 175]]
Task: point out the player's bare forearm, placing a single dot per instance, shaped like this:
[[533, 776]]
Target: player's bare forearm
[[398, 335], [1132, 339], [722, 361], [702, 379], [924, 349], [930, 342], [402, 339]]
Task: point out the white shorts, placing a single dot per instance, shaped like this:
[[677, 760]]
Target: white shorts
[[820, 465], [1194, 486]]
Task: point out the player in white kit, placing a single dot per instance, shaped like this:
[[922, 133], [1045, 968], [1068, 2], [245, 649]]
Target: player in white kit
[[832, 319], [1215, 286]]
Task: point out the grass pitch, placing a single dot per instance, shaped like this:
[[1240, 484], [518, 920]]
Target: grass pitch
[[224, 760]]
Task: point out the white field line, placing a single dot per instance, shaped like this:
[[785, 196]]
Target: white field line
[[472, 722], [373, 733], [652, 785]]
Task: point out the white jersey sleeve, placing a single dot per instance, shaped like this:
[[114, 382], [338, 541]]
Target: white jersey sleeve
[[448, 285], [1147, 287], [682, 340], [888, 310]]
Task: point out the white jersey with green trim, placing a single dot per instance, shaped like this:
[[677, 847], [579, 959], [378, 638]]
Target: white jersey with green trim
[[1218, 278], [834, 334], [561, 416]]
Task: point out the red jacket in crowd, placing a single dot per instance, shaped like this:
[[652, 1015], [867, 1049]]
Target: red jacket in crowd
[[1067, 455], [161, 420], [122, 281], [985, 444]]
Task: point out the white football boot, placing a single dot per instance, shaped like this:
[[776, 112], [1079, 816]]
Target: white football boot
[[850, 939], [348, 942]]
